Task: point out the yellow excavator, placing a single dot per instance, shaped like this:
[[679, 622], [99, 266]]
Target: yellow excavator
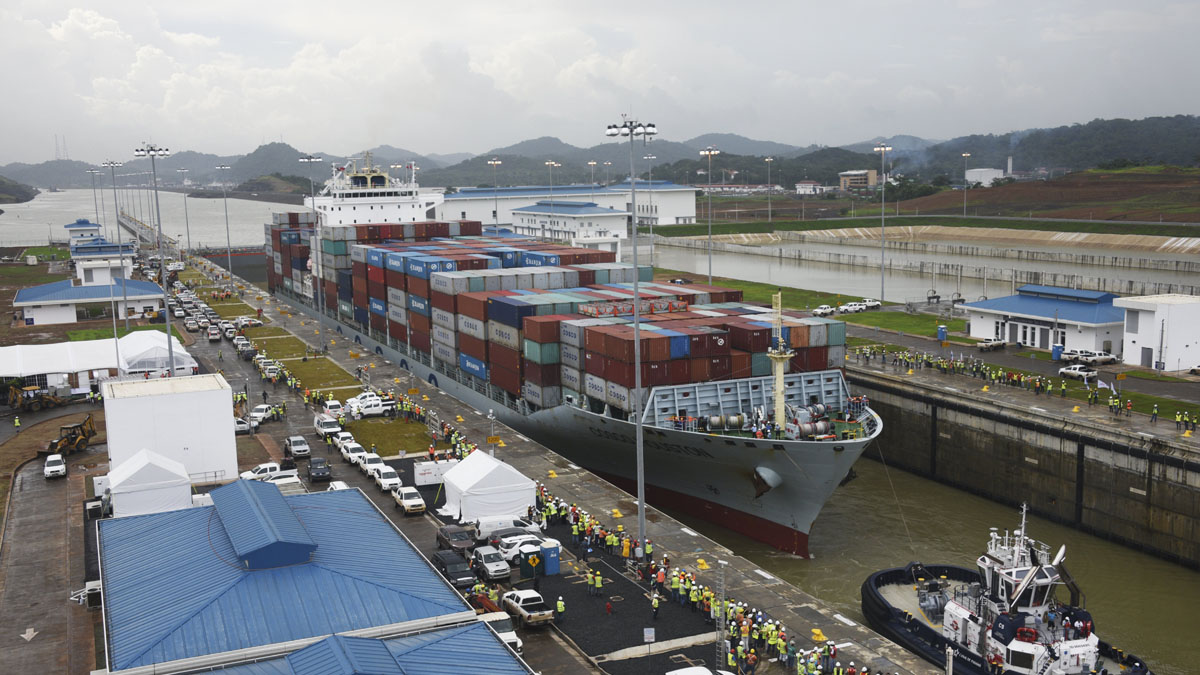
[[73, 437], [33, 399]]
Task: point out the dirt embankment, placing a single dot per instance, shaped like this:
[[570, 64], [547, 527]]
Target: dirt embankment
[[1003, 236]]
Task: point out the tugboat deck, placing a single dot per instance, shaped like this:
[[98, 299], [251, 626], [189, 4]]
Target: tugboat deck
[[904, 598]]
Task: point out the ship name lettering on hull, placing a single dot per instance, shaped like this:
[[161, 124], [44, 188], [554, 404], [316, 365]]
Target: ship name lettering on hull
[[676, 448]]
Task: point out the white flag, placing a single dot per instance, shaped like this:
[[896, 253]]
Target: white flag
[[1102, 385]]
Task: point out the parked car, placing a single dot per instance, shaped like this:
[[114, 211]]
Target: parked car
[[1078, 371], [325, 425], [369, 463], [337, 485], [528, 607], [243, 426], [1073, 355], [191, 326], [266, 470], [510, 546], [871, 303], [851, 308], [296, 446], [1195, 371], [260, 413], [823, 310], [54, 467], [1098, 358], [240, 341], [991, 345], [502, 623], [352, 452], [332, 407], [369, 404], [409, 499], [319, 470], [489, 564], [454, 568], [455, 538], [386, 478], [214, 334], [486, 526], [341, 438]]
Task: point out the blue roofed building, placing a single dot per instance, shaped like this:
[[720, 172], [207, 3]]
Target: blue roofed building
[[60, 301], [1041, 316], [258, 575], [574, 223], [659, 202], [97, 260]]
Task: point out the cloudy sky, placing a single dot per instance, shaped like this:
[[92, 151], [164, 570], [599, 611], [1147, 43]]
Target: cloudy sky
[[440, 77]]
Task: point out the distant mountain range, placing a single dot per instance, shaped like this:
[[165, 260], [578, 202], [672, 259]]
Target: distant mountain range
[[1169, 140]]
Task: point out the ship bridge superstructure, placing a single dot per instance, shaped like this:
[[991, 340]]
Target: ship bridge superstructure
[[361, 193]]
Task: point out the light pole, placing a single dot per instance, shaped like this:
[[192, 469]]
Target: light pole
[[592, 165], [492, 433], [112, 169], [111, 281], [607, 165], [769, 160], [495, 164], [153, 152], [631, 130], [228, 239], [95, 202], [318, 280], [550, 164], [965, 155], [709, 152], [187, 225], [721, 613], [882, 149], [650, 207]]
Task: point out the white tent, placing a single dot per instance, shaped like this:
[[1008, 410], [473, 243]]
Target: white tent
[[149, 483], [147, 351], [140, 351], [481, 485]]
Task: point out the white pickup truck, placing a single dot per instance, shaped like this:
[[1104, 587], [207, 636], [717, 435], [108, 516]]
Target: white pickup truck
[[528, 607], [369, 404], [267, 470], [823, 310]]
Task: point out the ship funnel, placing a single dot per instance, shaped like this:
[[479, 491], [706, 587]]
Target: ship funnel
[[765, 480]]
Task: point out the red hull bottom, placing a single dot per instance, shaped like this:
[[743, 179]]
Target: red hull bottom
[[771, 533]]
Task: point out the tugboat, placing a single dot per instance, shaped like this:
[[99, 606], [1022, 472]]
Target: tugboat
[[1002, 618]]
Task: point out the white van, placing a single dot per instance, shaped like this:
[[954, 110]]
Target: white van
[[325, 425], [486, 525]]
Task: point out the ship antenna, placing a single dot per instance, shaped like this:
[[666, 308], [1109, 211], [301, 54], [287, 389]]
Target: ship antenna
[[779, 354]]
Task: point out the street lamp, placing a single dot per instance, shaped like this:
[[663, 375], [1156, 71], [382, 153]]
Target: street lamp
[[111, 282], [709, 152], [592, 165], [112, 169], [495, 163], [965, 155], [650, 219], [883, 150], [153, 152], [769, 160], [607, 165], [187, 226], [550, 164], [95, 203], [631, 130], [228, 239], [318, 281]]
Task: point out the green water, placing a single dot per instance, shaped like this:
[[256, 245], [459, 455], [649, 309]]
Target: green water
[[1141, 604]]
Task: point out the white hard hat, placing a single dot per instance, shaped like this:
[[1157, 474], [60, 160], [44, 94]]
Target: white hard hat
[[560, 597]]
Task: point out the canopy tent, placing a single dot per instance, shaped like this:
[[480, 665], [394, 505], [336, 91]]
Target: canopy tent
[[481, 485], [139, 347], [149, 483]]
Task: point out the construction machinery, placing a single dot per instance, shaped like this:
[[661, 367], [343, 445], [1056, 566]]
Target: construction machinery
[[73, 437], [33, 399]]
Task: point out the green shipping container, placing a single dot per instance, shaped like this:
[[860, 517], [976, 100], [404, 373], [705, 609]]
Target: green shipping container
[[333, 247], [760, 365], [836, 334], [345, 308], [541, 354]]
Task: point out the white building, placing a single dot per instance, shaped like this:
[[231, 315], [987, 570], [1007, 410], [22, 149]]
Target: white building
[[984, 176], [812, 187], [58, 302], [185, 419], [83, 230], [1162, 331], [97, 260], [582, 224], [659, 202], [1041, 316]]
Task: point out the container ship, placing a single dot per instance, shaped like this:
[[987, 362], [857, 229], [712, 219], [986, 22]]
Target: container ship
[[540, 335]]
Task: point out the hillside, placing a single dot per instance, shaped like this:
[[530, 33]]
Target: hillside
[[899, 144], [821, 165], [276, 183], [740, 145], [1145, 193], [12, 192]]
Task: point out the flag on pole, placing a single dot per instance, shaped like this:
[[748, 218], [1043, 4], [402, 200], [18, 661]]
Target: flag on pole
[[1102, 385]]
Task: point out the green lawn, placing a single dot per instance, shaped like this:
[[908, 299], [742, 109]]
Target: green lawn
[[391, 437], [22, 275], [189, 275], [320, 373], [1143, 375], [103, 333], [229, 310], [46, 252], [266, 331], [1048, 225], [281, 347], [913, 324]]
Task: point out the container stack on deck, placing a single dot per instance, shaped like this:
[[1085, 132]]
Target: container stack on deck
[[549, 323], [287, 250]]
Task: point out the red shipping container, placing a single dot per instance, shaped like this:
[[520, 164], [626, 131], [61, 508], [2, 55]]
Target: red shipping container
[[546, 375], [421, 230], [587, 277], [595, 337], [504, 357], [719, 367], [419, 322], [420, 341], [376, 274], [377, 289], [739, 364], [394, 279], [358, 269], [378, 322], [749, 338], [418, 287], [594, 363], [658, 347], [442, 301], [397, 331], [620, 372], [679, 371], [506, 379], [544, 329], [657, 373], [473, 346], [474, 304], [698, 343], [798, 335], [359, 286]]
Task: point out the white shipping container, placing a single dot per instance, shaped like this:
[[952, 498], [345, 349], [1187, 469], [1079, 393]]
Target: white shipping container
[[278, 270], [545, 397], [818, 335], [570, 355], [472, 326], [555, 279], [571, 378], [571, 397], [570, 279], [444, 335], [594, 386], [445, 353], [397, 297], [541, 279], [398, 314], [617, 396], [441, 317], [183, 418], [837, 356], [504, 335], [358, 253]]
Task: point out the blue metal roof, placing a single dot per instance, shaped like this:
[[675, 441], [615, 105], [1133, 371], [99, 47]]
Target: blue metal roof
[[565, 208], [173, 587], [341, 655], [263, 529], [80, 223], [65, 291], [470, 649], [99, 247], [623, 186], [1050, 302]]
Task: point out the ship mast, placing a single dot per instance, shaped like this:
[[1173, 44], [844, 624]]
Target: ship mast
[[780, 354]]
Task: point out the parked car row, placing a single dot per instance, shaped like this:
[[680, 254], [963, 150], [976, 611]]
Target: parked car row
[[1088, 357]]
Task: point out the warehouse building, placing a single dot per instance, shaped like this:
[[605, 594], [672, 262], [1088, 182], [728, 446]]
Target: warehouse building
[[583, 224], [259, 576], [1041, 316], [660, 202], [857, 179], [60, 301], [1162, 331]]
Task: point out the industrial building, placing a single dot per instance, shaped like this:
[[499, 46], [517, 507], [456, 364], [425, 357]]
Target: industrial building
[[858, 179], [583, 224], [185, 419], [1041, 316], [983, 176], [812, 187], [259, 576], [660, 202], [1162, 331]]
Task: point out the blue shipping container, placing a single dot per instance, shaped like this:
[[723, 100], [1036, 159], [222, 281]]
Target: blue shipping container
[[418, 304], [473, 366], [375, 257], [785, 333], [681, 345], [509, 310], [377, 306], [361, 315]]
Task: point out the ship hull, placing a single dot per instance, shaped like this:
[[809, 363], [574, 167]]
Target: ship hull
[[708, 476]]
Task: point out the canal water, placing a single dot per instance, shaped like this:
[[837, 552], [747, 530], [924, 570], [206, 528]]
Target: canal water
[[1140, 603], [46, 214]]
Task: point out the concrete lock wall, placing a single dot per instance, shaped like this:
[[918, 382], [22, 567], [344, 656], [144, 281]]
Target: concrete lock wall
[[1141, 492]]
